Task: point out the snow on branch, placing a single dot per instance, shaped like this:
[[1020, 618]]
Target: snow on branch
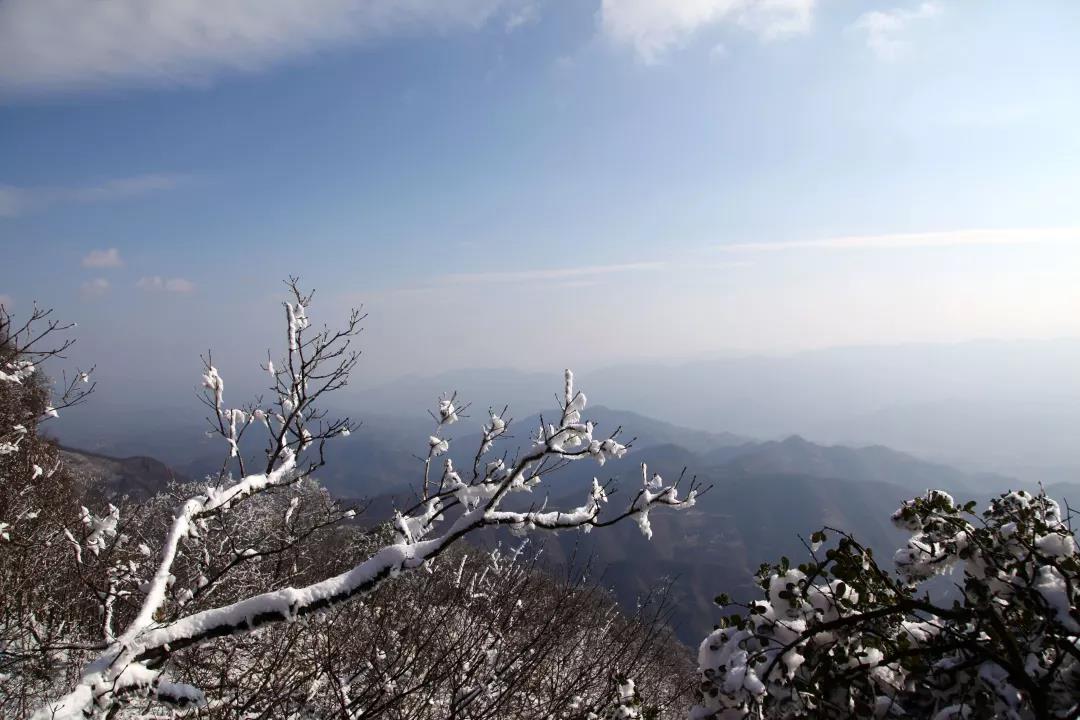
[[297, 431]]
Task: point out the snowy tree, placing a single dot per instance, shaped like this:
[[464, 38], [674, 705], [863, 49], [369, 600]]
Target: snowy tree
[[36, 507], [159, 596], [839, 636], [483, 635]]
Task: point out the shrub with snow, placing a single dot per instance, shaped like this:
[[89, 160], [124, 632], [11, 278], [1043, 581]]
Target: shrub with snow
[[839, 636]]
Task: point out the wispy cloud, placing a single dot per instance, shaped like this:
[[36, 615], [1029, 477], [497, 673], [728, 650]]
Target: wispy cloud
[[885, 29], [103, 259], [575, 277], [563, 274], [653, 27], [120, 188], [564, 277], [15, 201], [156, 283], [94, 289], [949, 238], [57, 45]]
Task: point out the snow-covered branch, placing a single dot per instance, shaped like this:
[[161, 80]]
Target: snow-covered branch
[[297, 430]]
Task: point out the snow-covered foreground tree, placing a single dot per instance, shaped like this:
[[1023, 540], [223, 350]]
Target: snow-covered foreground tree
[[839, 637], [484, 635], [233, 560], [35, 494]]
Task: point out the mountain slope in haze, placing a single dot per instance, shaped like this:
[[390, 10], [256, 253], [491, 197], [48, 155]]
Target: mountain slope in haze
[[718, 545], [138, 477], [378, 458], [875, 463], [649, 431]]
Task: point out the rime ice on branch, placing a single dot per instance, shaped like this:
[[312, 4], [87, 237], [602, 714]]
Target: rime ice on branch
[[135, 658]]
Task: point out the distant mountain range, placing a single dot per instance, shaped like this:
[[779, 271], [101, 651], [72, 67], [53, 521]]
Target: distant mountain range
[[763, 496], [1004, 406], [1009, 407]]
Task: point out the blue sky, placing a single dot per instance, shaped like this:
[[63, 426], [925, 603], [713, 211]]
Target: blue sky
[[536, 184]]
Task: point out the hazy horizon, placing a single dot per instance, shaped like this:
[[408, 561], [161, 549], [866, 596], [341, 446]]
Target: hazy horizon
[[1007, 407]]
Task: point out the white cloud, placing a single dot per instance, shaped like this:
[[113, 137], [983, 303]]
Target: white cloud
[[7, 301], [94, 289], [885, 29], [56, 45], [157, 283], [103, 259], [778, 19], [15, 201], [653, 27], [948, 238], [525, 14]]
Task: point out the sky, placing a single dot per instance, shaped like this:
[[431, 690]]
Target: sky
[[536, 184]]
